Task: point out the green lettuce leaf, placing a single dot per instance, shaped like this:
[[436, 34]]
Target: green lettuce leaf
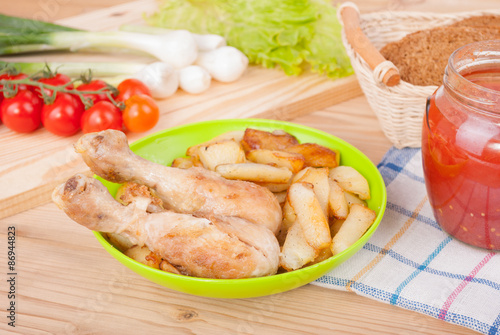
[[295, 35]]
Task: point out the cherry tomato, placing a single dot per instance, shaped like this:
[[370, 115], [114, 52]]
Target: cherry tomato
[[22, 113], [2, 76], [63, 116], [95, 85], [58, 79], [141, 113], [19, 76], [101, 116], [131, 87]]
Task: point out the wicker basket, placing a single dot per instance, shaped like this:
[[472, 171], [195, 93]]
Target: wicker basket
[[399, 108]]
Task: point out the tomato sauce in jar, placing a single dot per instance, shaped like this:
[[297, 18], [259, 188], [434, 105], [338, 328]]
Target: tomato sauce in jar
[[461, 146]]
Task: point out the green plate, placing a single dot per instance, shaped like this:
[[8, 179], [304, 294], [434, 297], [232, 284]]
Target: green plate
[[164, 146]]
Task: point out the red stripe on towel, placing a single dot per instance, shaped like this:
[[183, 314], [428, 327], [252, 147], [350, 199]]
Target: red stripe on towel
[[459, 288]]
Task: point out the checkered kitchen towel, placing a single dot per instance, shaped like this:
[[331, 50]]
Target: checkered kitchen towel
[[409, 262]]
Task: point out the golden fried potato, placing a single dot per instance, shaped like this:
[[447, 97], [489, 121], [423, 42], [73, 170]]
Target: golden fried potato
[[225, 152], [360, 218], [281, 196], [335, 225], [292, 161], [122, 192], [183, 162], [259, 139], [289, 218], [352, 198], [310, 215], [316, 155], [261, 173], [276, 187], [351, 180], [236, 135], [167, 267], [322, 255], [318, 177], [296, 252], [144, 256], [120, 242], [288, 213], [141, 195], [339, 207]]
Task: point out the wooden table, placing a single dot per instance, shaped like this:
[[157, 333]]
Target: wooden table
[[67, 284]]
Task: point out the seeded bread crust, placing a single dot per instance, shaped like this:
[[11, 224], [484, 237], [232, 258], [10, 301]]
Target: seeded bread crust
[[421, 57]]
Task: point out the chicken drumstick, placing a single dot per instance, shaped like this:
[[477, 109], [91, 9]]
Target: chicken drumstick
[[193, 191], [215, 247]]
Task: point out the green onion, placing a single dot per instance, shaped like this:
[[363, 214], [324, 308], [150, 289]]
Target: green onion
[[16, 25], [205, 42], [177, 48]]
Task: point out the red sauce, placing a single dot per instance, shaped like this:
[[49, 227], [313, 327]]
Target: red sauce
[[461, 159], [489, 78]]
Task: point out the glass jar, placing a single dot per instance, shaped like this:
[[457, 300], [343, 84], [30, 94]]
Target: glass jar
[[461, 146]]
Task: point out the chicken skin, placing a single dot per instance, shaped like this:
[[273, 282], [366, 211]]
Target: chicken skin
[[209, 247], [207, 226], [194, 191]]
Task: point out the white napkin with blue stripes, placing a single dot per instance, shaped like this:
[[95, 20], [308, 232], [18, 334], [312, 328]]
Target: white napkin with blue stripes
[[410, 262]]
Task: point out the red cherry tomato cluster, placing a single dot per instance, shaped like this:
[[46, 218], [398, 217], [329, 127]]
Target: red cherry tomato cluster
[[65, 114]]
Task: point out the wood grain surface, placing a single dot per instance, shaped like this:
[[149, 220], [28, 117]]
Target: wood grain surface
[[67, 283]]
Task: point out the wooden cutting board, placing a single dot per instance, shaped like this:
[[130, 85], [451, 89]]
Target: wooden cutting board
[[31, 165]]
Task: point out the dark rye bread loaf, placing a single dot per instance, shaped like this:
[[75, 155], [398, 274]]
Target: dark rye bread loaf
[[421, 57]]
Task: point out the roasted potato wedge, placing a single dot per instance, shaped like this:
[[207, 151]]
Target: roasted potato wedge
[[120, 242], [335, 225], [259, 139], [351, 180], [277, 187], [296, 252], [281, 196], [318, 177], [292, 161], [316, 155], [141, 195], [236, 135], [225, 152], [183, 162], [167, 267], [144, 256], [360, 218], [337, 203], [123, 193], [322, 255], [289, 218], [309, 215], [352, 198], [260, 173]]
